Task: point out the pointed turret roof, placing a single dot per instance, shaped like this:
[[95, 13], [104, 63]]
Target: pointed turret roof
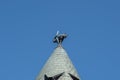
[[58, 66], [58, 63]]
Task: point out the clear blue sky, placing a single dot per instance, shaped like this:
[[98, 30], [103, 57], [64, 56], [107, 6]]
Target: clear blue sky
[[27, 28]]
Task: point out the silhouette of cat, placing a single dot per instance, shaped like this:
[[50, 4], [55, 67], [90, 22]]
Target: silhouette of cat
[[56, 77]]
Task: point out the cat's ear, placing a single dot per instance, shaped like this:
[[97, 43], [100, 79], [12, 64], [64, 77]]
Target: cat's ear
[[46, 77], [73, 77], [56, 77]]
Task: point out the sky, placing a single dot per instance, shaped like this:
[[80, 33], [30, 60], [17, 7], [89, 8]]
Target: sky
[[27, 28]]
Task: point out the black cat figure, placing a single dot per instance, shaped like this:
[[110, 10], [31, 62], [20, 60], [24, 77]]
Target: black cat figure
[[56, 77]]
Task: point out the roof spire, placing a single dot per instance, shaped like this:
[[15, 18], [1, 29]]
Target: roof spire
[[59, 38], [58, 66]]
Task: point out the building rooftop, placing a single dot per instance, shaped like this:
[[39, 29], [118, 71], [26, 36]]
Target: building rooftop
[[58, 66], [58, 63]]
